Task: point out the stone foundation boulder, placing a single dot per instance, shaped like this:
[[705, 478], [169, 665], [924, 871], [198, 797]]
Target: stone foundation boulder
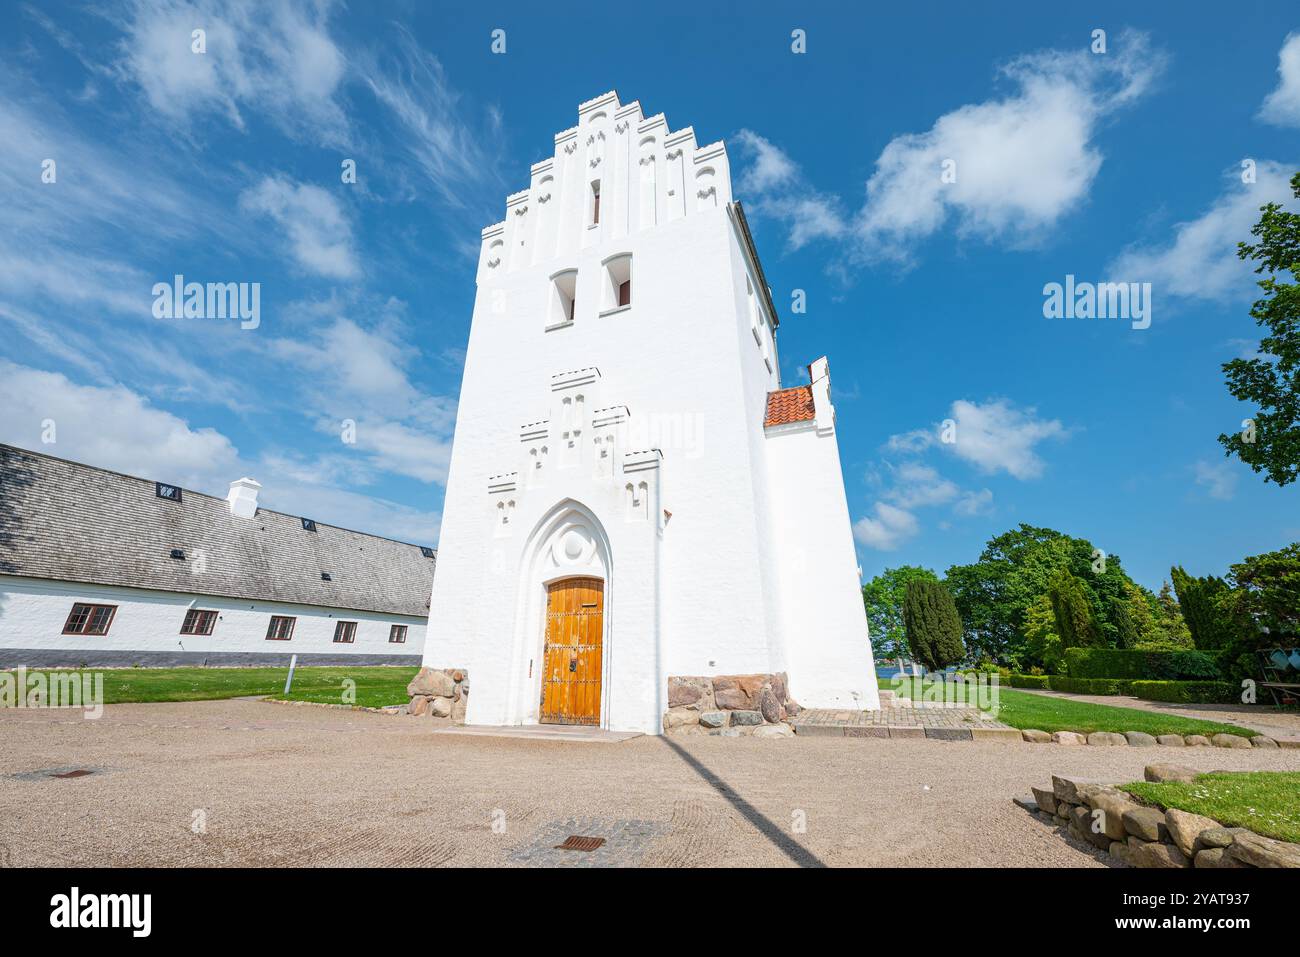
[[440, 692], [433, 684], [729, 701]]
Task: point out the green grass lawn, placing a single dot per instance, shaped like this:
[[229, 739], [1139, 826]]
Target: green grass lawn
[[1267, 802], [376, 685], [1021, 709]]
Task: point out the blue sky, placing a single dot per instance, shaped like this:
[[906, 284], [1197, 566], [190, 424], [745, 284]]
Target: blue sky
[[926, 295]]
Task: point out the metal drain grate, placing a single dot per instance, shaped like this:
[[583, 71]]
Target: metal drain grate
[[575, 842], [78, 773]]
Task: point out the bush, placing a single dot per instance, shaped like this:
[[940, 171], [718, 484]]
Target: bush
[[1143, 665], [1090, 685], [1029, 681], [1188, 692]]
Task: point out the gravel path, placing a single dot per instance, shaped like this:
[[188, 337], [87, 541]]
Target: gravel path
[[281, 785]]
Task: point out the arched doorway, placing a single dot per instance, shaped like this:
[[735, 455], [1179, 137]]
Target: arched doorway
[[568, 544], [573, 653]]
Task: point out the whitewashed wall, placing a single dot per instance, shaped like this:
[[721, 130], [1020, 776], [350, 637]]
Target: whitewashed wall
[[824, 621], [146, 628], [690, 362]]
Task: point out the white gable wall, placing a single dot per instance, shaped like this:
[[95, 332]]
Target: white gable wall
[[694, 593]]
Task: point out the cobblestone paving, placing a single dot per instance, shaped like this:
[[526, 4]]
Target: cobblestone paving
[[944, 723], [626, 842], [898, 718]]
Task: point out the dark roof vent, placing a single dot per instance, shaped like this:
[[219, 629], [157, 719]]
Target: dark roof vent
[[178, 553], [308, 525], [325, 577], [169, 492], [426, 551]]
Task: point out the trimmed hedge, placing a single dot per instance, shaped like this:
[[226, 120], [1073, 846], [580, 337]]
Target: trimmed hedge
[[1029, 681], [1143, 665], [1188, 692], [1090, 685], [1178, 692]]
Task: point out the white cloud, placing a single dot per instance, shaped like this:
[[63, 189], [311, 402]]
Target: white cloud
[[995, 437], [109, 426], [974, 503], [115, 428], [1217, 478], [769, 165], [1022, 162], [437, 137], [1201, 260], [890, 527], [1282, 106], [998, 437], [276, 58], [774, 186], [917, 485], [399, 427], [913, 485], [319, 234]]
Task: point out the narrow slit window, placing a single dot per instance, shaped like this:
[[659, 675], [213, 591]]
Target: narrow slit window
[[618, 283], [595, 202], [564, 297]]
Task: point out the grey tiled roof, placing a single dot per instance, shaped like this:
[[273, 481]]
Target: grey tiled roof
[[71, 522]]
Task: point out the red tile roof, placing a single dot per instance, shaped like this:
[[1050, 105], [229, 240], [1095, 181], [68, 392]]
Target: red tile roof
[[790, 405]]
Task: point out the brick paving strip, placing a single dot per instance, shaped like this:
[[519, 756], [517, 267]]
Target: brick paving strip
[[944, 724]]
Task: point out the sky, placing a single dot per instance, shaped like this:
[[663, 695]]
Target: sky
[[916, 176]]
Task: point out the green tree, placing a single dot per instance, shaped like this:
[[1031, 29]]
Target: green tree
[[1126, 633], [1074, 619], [883, 597], [1272, 443], [1142, 611], [1042, 643], [1201, 601], [932, 624], [1172, 626], [1015, 569], [1269, 589]]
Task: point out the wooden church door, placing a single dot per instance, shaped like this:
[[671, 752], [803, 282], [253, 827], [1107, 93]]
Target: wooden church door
[[571, 670]]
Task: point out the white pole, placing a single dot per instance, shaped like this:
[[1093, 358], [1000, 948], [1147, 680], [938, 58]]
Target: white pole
[[288, 682]]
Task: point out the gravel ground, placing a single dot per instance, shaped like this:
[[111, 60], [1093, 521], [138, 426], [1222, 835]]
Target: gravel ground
[[282, 785]]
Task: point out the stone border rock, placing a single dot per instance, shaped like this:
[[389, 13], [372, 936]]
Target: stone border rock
[[1138, 835], [730, 706], [390, 709], [1140, 739], [440, 692]]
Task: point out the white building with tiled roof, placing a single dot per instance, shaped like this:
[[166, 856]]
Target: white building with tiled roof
[[633, 497], [99, 568]]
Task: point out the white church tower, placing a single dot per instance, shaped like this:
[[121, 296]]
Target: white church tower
[[633, 498]]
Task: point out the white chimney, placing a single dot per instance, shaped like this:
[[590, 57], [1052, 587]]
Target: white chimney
[[243, 497]]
